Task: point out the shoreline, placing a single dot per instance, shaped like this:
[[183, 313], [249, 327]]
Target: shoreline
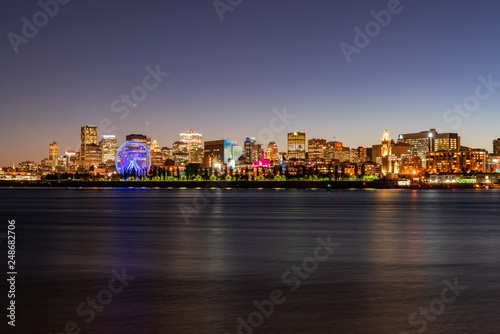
[[231, 184]]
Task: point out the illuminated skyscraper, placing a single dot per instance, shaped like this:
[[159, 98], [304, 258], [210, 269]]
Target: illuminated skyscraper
[[93, 155], [180, 153], [88, 136], [333, 150], [53, 151], [447, 142], [421, 143], [297, 145], [155, 152], [108, 148], [250, 150], [316, 149], [272, 152], [194, 145], [386, 153], [220, 151]]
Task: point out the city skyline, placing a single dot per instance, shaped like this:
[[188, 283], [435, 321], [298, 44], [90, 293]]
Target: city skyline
[[281, 148], [232, 74]]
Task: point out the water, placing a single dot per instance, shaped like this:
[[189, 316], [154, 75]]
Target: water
[[393, 251]]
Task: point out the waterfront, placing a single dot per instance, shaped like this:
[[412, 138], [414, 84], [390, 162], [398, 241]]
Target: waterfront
[[200, 258]]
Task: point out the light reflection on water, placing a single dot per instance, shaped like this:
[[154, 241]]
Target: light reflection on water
[[397, 247]]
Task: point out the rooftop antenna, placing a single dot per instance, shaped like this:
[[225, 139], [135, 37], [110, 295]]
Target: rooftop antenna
[[147, 129]]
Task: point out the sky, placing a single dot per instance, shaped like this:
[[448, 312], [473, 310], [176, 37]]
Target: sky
[[231, 70]]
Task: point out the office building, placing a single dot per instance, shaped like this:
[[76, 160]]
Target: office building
[[296, 146], [88, 136], [180, 153], [332, 151], [447, 142], [108, 148], [316, 149], [421, 143], [155, 154], [194, 145], [219, 152], [272, 152], [53, 151], [140, 138]]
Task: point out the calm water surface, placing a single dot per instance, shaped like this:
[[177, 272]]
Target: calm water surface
[[395, 249]]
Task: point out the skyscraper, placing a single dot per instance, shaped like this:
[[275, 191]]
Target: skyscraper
[[155, 153], [108, 148], [194, 145], [421, 143], [53, 151], [180, 153], [496, 147], [220, 151], [140, 138], [447, 142], [297, 145], [316, 149], [333, 150], [249, 150], [272, 152], [88, 136]]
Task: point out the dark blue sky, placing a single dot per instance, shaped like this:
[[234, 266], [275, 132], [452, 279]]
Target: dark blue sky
[[226, 77]]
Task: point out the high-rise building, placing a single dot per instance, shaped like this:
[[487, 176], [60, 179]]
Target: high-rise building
[[250, 150], [316, 149], [140, 138], [447, 142], [333, 150], [496, 147], [194, 147], [93, 155], [386, 153], [155, 153], [272, 152], [220, 151], [421, 143], [70, 160], [180, 153], [297, 145], [167, 153], [88, 136], [53, 151], [108, 148]]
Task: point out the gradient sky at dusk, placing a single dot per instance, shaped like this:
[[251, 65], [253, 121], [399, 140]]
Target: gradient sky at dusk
[[226, 77]]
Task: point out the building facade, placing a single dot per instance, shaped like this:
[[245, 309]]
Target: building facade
[[457, 162], [194, 145], [108, 148], [88, 136], [447, 142], [421, 143], [296, 146], [53, 151], [316, 149]]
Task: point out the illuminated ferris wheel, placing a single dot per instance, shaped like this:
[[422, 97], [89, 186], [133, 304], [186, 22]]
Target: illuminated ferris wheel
[[133, 158]]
